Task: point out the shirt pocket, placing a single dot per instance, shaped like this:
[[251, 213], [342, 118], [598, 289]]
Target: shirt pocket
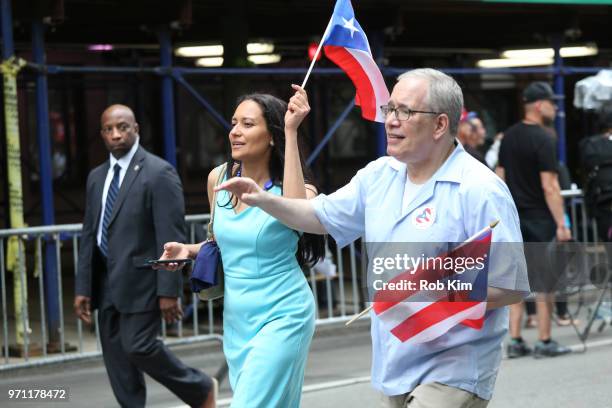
[[443, 233]]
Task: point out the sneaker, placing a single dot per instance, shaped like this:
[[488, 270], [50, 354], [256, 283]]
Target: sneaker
[[550, 349], [566, 320], [604, 312], [517, 348]]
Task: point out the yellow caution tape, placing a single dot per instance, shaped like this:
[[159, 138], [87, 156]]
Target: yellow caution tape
[[15, 259]]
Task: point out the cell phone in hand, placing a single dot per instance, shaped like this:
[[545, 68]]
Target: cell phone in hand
[[169, 261]]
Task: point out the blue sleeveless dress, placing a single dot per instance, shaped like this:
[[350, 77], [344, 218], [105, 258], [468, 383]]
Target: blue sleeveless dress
[[268, 316]]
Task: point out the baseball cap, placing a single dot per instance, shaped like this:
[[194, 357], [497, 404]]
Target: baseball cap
[[471, 115], [465, 115], [539, 90]]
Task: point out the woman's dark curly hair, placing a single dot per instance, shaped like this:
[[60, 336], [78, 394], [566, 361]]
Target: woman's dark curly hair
[[311, 247]]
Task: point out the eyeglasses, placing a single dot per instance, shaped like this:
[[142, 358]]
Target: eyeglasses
[[403, 113], [122, 128]]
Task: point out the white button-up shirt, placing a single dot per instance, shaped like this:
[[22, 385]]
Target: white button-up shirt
[[124, 162], [463, 197]]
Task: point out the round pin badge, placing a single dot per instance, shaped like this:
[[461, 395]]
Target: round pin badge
[[424, 217]]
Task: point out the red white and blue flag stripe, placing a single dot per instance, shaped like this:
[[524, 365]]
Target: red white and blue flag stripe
[[346, 44], [418, 316]]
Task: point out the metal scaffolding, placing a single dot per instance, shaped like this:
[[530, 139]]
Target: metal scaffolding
[[169, 75]]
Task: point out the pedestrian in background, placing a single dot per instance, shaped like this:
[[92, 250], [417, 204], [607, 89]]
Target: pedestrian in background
[[596, 160], [471, 133], [134, 204], [528, 164]]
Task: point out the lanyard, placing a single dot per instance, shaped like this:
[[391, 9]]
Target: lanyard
[[267, 186]]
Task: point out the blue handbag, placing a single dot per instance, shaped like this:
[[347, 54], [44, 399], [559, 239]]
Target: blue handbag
[[207, 273]]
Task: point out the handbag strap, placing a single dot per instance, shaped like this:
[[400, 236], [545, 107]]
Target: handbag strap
[[214, 202]]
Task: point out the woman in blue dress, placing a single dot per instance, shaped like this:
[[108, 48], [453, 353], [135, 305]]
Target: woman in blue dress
[[268, 317]]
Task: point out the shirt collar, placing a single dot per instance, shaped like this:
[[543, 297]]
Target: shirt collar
[[446, 172], [124, 162]]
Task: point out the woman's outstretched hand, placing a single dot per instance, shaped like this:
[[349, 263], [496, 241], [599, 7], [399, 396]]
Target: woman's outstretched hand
[[297, 108], [173, 250], [245, 189]]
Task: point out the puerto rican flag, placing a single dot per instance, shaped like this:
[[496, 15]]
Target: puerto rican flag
[[346, 44], [418, 316]]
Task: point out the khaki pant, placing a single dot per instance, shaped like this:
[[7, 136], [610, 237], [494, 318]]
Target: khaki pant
[[435, 395]]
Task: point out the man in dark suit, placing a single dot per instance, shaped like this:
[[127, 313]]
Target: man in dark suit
[[134, 205]]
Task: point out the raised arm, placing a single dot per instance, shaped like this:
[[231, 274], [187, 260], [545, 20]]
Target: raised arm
[[293, 177]]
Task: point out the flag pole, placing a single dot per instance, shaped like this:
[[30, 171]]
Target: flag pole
[[364, 311], [470, 239], [314, 59]]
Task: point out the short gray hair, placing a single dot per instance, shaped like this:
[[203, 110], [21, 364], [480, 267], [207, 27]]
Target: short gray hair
[[444, 94]]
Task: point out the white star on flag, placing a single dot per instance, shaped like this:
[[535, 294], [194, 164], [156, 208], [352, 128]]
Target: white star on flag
[[350, 24], [352, 54]]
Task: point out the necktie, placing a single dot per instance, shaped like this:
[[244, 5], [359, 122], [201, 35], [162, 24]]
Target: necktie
[[113, 190]]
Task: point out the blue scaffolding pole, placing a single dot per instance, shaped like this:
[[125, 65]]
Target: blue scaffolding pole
[[167, 95], [8, 47], [202, 101], [177, 73], [559, 88], [315, 153], [386, 71], [46, 181], [7, 52]]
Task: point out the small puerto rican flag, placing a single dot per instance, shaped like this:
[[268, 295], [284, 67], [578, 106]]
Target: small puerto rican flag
[[418, 316], [346, 44]]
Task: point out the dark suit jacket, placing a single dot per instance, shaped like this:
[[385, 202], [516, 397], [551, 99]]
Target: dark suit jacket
[[149, 211]]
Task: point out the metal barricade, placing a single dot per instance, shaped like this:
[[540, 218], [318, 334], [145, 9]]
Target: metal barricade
[[341, 297], [36, 236], [338, 298], [574, 199], [34, 349], [596, 273]]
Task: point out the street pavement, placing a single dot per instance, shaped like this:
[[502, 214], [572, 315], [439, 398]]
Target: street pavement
[[337, 375]]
